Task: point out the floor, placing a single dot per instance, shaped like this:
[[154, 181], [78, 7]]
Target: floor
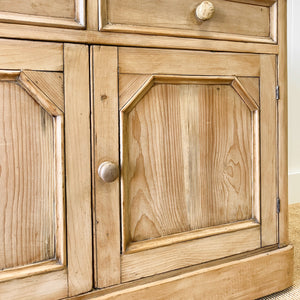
[[292, 293]]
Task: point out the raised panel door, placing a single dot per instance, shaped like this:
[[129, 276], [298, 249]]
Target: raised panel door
[[196, 149], [38, 127]]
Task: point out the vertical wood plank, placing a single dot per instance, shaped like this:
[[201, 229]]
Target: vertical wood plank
[[106, 148], [268, 150], [27, 179], [92, 15], [282, 125], [102, 13], [78, 168]]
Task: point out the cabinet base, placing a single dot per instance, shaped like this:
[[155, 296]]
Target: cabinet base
[[245, 278]]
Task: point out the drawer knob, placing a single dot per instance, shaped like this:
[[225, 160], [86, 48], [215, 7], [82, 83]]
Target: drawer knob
[[108, 171], [205, 10]]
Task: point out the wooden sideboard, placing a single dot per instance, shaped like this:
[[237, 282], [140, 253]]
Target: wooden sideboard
[[143, 149]]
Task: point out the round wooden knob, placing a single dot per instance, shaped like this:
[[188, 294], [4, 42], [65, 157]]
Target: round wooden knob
[[108, 171], [205, 10]]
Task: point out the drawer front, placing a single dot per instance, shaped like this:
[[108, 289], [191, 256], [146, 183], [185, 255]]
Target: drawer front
[[63, 13], [246, 20]]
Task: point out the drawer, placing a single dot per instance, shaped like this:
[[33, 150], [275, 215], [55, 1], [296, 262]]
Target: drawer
[[62, 13], [242, 20]]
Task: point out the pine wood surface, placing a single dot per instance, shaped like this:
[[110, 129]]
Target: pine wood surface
[[78, 168], [244, 276], [31, 55], [268, 158], [64, 13], [180, 255], [62, 8], [134, 40], [189, 161], [251, 84], [28, 181], [55, 90], [106, 148], [180, 19], [283, 124], [136, 61]]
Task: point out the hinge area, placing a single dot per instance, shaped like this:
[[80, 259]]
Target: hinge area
[[277, 92], [278, 205]]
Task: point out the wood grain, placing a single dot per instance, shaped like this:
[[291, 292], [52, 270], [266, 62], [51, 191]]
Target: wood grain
[[47, 286], [191, 235], [251, 84], [269, 164], [134, 40], [78, 168], [179, 19], [283, 124], [92, 15], [51, 83], [149, 61], [128, 86], [28, 181], [31, 55], [188, 161], [106, 148], [39, 20], [269, 272], [56, 8], [63, 13], [154, 261]]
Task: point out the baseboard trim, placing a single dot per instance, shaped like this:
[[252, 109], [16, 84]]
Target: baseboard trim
[[245, 278]]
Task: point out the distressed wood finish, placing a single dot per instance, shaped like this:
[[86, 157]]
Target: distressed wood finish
[[31, 55], [106, 147], [251, 84], [33, 252], [189, 164], [269, 163], [27, 179], [184, 110], [54, 91], [133, 40], [136, 60], [78, 168], [233, 20], [283, 125], [171, 128], [179, 255], [212, 280], [47, 285], [63, 13]]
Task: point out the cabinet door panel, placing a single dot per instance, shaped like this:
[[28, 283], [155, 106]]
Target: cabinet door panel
[[34, 148], [189, 159], [27, 165], [190, 143]]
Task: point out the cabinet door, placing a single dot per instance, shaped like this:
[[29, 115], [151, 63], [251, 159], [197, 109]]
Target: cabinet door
[[194, 136], [44, 113]]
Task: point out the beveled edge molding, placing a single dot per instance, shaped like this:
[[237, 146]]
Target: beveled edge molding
[[183, 79], [30, 32], [188, 236], [106, 26], [274, 264], [30, 270], [59, 262], [127, 246], [79, 21]]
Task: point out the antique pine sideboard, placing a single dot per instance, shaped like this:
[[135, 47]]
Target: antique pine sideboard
[[143, 149]]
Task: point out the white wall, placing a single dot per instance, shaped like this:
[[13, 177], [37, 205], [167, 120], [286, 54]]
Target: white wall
[[294, 98]]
